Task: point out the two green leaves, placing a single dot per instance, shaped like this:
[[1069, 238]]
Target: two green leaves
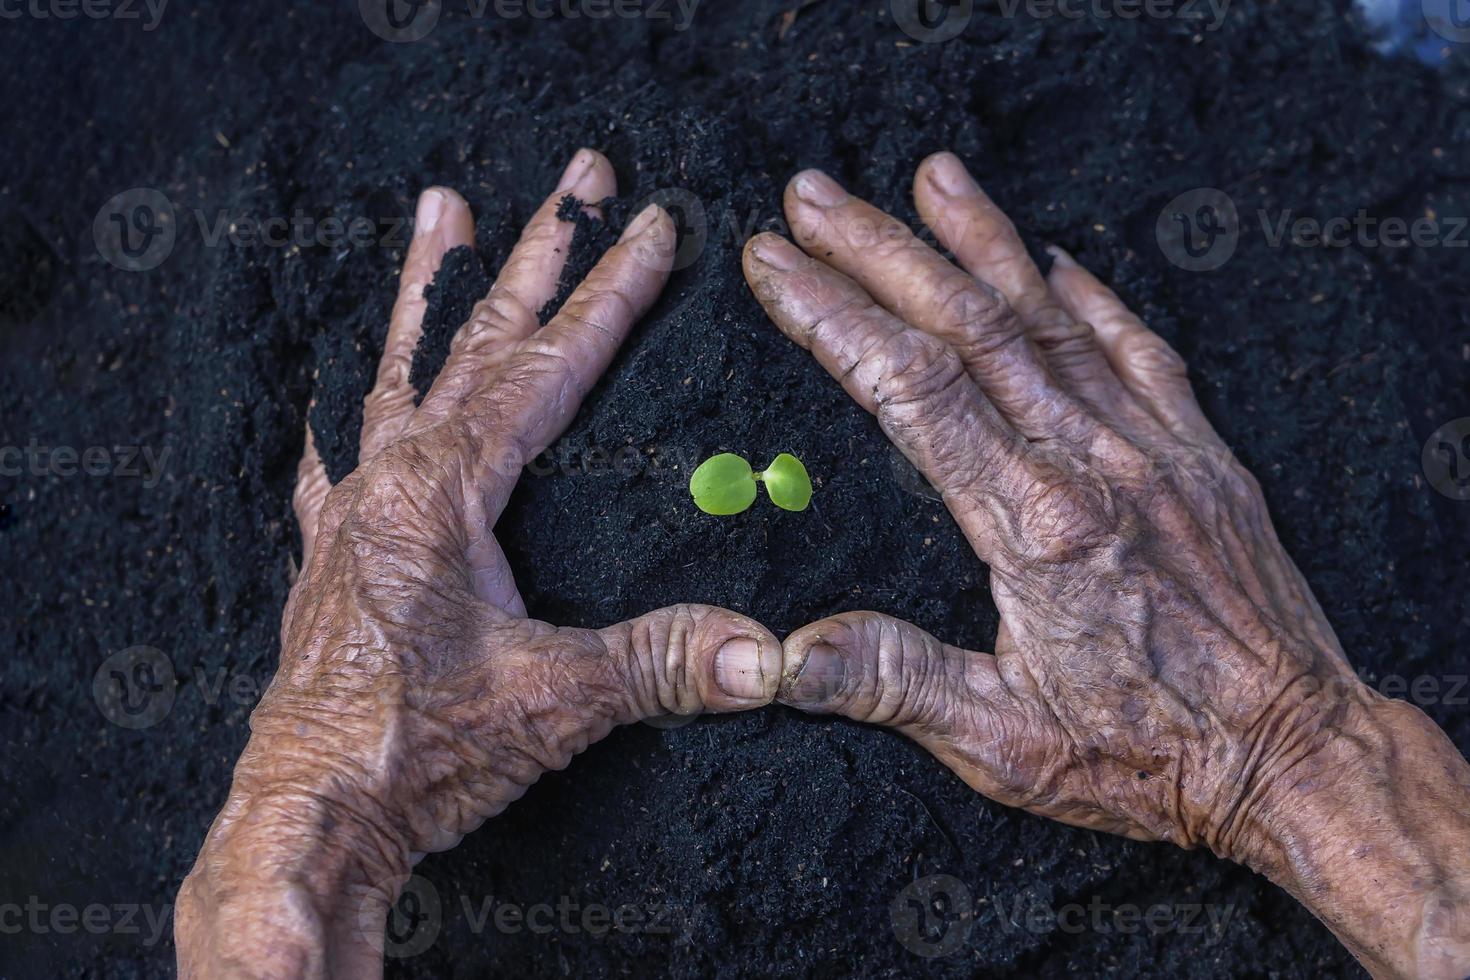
[[725, 484]]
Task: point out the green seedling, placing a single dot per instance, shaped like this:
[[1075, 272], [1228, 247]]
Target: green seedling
[[725, 484]]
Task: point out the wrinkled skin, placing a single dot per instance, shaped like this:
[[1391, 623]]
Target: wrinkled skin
[[1162, 670], [414, 697]]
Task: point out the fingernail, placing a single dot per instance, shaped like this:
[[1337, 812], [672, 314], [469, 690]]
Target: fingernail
[[777, 252], [821, 676], [640, 224], [738, 669], [819, 190], [579, 167], [950, 178], [1061, 257], [430, 209]]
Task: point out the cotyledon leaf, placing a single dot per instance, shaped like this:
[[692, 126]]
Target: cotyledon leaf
[[723, 485]]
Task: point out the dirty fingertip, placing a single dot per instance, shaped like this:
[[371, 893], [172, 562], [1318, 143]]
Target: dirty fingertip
[[820, 677], [774, 251], [646, 219], [748, 668]]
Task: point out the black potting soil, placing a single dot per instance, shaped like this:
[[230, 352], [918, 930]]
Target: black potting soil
[[764, 844]]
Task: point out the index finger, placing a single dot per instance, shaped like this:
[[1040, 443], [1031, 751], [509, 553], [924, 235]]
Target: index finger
[[915, 384], [519, 406]]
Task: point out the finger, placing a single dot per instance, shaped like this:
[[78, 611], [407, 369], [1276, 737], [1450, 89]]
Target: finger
[[511, 311], [312, 487], [690, 659], [1149, 368], [955, 703], [910, 380], [442, 222], [918, 286], [551, 372], [967, 222]]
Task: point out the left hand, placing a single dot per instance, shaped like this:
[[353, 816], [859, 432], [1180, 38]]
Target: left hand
[[415, 697], [1162, 669]]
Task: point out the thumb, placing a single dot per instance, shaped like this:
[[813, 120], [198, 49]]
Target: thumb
[[877, 669], [689, 659]]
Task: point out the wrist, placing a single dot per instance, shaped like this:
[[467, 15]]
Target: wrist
[[291, 881], [1372, 833]]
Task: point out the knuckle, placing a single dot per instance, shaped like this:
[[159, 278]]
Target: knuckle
[[907, 686], [659, 648], [1065, 521], [1062, 338], [1242, 482], [540, 365], [977, 312], [848, 311], [495, 319], [1149, 354], [340, 500], [920, 370]]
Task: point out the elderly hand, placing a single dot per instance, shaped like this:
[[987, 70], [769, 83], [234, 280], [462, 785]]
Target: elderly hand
[[1162, 669], [415, 698]]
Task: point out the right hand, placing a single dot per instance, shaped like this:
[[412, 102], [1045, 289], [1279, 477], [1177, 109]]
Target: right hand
[[1162, 669]]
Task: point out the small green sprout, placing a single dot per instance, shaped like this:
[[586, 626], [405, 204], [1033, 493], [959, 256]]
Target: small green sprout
[[725, 484]]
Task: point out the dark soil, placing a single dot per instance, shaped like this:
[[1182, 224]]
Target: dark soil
[[777, 841]]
